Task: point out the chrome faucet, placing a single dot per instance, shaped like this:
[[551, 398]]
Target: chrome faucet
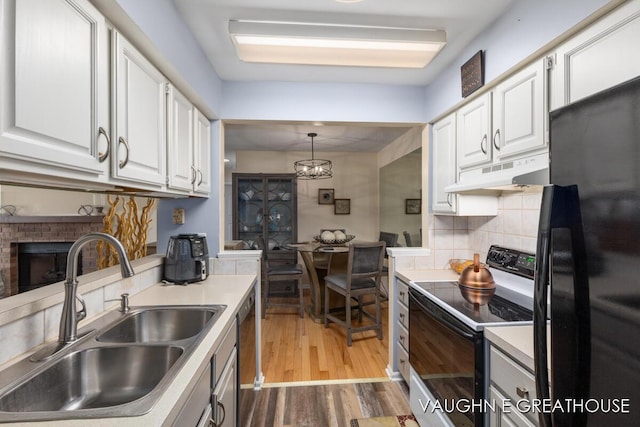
[[70, 317]]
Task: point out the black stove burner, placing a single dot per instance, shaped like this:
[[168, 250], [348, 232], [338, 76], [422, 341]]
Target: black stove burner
[[509, 311]]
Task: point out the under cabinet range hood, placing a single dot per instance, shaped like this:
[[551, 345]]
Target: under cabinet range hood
[[515, 175]]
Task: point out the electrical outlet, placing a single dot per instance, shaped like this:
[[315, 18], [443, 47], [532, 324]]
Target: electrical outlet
[[178, 216]]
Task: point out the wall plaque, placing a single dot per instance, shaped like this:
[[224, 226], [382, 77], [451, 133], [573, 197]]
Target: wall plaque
[[472, 74]]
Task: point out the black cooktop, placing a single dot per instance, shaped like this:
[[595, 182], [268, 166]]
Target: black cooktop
[[498, 310]]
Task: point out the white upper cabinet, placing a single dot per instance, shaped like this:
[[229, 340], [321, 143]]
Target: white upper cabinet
[[202, 154], [188, 146], [444, 164], [54, 108], [139, 111], [474, 132], [180, 146], [603, 55], [519, 112]]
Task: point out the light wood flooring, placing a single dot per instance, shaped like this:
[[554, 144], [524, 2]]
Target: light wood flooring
[[312, 378], [295, 349]]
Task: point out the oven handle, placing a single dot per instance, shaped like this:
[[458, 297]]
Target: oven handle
[[437, 314]]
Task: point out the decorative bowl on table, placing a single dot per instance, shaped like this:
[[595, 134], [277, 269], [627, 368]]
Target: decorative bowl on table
[[334, 241]]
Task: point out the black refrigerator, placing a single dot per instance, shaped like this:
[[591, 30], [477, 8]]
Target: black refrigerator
[[588, 264]]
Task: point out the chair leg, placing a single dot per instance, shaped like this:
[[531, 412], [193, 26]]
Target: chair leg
[[265, 297], [301, 292], [379, 315], [326, 306], [360, 306], [347, 302]]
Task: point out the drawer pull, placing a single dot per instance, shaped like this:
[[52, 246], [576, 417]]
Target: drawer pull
[[402, 315], [402, 361], [402, 294], [402, 338], [522, 392]]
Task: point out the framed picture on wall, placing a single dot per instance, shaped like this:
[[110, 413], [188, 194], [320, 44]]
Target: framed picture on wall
[[325, 196], [412, 206], [342, 206]]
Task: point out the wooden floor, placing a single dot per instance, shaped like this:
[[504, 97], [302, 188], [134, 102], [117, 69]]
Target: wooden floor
[[322, 405], [296, 349]]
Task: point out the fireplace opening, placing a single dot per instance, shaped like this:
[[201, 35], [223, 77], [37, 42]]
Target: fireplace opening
[[43, 263]]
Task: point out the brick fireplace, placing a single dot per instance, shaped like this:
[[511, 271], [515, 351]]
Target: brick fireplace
[[15, 230]]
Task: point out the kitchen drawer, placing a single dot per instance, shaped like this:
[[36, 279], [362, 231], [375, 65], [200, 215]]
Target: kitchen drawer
[[403, 362], [403, 293], [403, 315], [403, 337], [506, 417], [223, 352], [512, 379]]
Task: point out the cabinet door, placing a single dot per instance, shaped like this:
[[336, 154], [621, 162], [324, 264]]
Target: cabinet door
[[202, 150], [473, 134], [225, 395], [181, 173], [602, 56], [139, 91], [518, 112], [444, 164], [54, 108]]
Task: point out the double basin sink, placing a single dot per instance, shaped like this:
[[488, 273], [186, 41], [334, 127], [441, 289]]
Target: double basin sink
[[120, 368]]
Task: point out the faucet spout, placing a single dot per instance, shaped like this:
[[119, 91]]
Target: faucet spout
[[70, 317]]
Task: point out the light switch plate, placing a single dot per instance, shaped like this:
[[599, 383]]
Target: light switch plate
[[178, 216]]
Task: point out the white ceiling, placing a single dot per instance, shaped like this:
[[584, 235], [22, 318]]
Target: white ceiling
[[461, 19]]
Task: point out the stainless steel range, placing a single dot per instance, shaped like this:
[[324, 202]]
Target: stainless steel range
[[447, 350]]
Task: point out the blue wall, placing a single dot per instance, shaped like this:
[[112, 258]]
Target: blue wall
[[524, 28]]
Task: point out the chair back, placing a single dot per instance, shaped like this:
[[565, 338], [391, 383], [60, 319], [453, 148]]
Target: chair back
[[407, 238], [390, 239], [365, 261]]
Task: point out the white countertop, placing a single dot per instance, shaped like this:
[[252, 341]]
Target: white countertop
[[517, 342], [427, 275], [217, 289]]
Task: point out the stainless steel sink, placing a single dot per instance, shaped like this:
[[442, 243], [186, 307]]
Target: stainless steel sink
[[93, 378], [159, 325], [120, 367]]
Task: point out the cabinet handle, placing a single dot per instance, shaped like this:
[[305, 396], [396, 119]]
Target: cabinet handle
[[402, 361], [402, 293], [449, 200], [402, 337], [124, 162], [194, 174], [103, 156], [522, 392], [402, 315], [483, 143], [212, 423], [496, 139], [200, 180]]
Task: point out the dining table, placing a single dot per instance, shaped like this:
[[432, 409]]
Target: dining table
[[319, 259]]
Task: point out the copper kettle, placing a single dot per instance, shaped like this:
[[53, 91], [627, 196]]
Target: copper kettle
[[476, 283]]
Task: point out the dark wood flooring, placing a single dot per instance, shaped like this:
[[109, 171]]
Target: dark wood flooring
[[322, 405]]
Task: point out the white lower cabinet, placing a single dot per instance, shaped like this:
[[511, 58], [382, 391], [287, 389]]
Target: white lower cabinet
[[213, 400], [402, 343], [513, 388]]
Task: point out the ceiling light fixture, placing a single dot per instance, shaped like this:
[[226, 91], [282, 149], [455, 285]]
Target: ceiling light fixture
[[343, 45], [313, 168]]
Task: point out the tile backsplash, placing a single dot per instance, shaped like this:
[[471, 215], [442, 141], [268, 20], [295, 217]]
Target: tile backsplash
[[515, 226]]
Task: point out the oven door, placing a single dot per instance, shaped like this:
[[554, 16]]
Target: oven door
[[448, 357]]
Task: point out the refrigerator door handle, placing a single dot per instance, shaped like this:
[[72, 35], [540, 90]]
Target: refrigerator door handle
[[561, 209], [540, 302]]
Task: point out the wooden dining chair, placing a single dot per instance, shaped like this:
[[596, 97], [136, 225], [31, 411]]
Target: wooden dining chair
[[407, 238], [276, 273], [363, 277]]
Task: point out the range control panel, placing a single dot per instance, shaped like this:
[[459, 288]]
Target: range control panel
[[512, 260]]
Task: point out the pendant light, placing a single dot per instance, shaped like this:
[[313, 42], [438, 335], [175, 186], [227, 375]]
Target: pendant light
[[313, 168]]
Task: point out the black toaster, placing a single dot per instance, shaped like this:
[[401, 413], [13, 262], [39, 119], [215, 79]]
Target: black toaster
[[187, 259]]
